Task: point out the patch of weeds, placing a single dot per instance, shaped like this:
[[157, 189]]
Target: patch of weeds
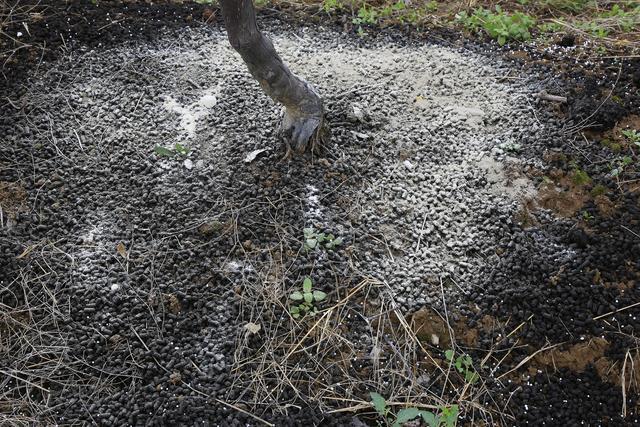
[[314, 239], [389, 9], [619, 165], [464, 365], [632, 135], [587, 216], [178, 149], [330, 5], [613, 146], [366, 15], [550, 27], [598, 190], [625, 20], [447, 417], [499, 25], [580, 177], [307, 298], [593, 28], [432, 6], [567, 5]]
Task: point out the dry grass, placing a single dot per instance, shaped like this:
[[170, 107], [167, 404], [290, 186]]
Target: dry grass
[[360, 343]]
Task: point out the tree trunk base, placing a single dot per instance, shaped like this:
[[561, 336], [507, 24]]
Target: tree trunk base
[[302, 133]]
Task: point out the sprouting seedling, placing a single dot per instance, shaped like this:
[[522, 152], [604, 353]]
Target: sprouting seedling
[[314, 239], [464, 365], [632, 135], [618, 167], [447, 417], [307, 298], [177, 149]]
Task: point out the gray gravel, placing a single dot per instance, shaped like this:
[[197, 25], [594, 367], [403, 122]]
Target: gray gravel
[[422, 180]]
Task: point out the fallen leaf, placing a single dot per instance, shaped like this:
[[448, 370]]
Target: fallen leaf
[[121, 250], [252, 155], [252, 328]]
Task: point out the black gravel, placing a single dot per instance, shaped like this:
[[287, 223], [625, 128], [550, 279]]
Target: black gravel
[[137, 263]]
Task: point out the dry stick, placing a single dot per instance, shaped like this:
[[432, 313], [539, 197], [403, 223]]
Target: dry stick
[[529, 358], [623, 384], [486, 358], [616, 311], [631, 231], [544, 95], [255, 417]]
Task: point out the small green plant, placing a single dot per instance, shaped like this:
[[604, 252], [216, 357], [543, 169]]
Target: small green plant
[[632, 136], [432, 6], [578, 176], [166, 152], [306, 300], [550, 27], [464, 365], [618, 167], [500, 25], [598, 190], [566, 5], [366, 15], [314, 239], [330, 5], [587, 216], [447, 417]]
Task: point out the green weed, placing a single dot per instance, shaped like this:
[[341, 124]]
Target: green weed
[[331, 5], [598, 190], [500, 25], [619, 165], [464, 365], [632, 135], [307, 298], [447, 417], [314, 239], [166, 152]]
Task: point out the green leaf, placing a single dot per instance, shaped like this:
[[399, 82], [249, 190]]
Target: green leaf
[[449, 354], [308, 232], [466, 360], [181, 149], [296, 296], [379, 404], [319, 295], [337, 241], [450, 415], [296, 315], [294, 309], [405, 415], [311, 243], [321, 237], [308, 297], [164, 152], [471, 377], [306, 285], [430, 419]]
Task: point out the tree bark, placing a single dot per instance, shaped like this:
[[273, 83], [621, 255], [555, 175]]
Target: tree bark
[[303, 124]]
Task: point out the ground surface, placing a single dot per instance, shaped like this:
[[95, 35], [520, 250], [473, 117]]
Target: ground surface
[[150, 286]]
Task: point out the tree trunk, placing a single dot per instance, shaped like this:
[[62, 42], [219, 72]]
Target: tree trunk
[[303, 124]]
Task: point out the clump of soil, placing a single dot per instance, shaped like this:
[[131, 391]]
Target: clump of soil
[[12, 200]]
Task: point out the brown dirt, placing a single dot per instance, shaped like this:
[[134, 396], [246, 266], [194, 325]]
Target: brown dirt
[[577, 357], [605, 206], [430, 327], [562, 195], [13, 198]]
